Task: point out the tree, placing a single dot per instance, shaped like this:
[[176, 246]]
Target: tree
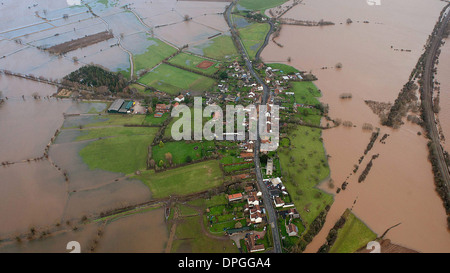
[[188, 159], [161, 144], [339, 65], [161, 163], [349, 21]]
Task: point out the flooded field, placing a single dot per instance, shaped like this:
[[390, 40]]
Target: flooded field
[[371, 70], [141, 232], [37, 189]]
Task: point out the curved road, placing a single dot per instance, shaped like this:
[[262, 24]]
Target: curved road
[[272, 217], [427, 99]]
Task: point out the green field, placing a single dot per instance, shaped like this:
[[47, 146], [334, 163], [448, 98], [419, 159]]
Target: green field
[[305, 92], [352, 236], [287, 69], [190, 238], [220, 48], [116, 120], [253, 37], [154, 55], [123, 154], [191, 61], [120, 120], [215, 200], [304, 165], [183, 180], [173, 80], [114, 132], [260, 4], [181, 150]]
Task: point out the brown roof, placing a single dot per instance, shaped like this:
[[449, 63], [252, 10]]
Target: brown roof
[[247, 155]]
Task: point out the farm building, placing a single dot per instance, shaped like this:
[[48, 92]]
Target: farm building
[[115, 106], [126, 106], [120, 106]]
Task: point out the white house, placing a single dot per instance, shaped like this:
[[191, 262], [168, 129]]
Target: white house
[[180, 98]]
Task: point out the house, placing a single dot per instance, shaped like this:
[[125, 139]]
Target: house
[[256, 217], [276, 181], [253, 201], [180, 98], [294, 213], [278, 202], [162, 108], [292, 230], [234, 197], [251, 244], [247, 156]]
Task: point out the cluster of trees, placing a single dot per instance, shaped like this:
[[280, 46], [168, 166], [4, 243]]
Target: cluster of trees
[[366, 171], [332, 235], [402, 105], [95, 76], [313, 230], [373, 138], [441, 186]]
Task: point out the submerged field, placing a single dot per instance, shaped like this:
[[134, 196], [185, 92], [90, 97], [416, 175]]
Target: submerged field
[[154, 54]]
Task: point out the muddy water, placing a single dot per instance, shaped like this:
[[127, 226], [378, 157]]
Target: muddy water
[[143, 232], [56, 242], [35, 194], [399, 187], [443, 76], [31, 195]]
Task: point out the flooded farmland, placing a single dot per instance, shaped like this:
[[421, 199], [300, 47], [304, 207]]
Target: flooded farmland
[[371, 70]]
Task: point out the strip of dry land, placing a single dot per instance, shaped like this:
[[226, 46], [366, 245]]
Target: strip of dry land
[[81, 42]]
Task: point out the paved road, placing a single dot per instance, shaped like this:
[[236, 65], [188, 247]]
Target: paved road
[[427, 99], [270, 210]]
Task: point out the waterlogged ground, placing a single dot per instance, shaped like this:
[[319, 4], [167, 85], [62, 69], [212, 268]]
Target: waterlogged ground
[[399, 187], [38, 190]]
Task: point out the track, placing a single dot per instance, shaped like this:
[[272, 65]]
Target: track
[[427, 98]]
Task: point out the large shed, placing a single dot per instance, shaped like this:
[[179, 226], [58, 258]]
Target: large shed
[[115, 106]]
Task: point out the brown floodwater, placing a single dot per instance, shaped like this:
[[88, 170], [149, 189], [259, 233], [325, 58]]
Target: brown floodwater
[[56, 242], [31, 195], [142, 232], [35, 194], [399, 187]]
